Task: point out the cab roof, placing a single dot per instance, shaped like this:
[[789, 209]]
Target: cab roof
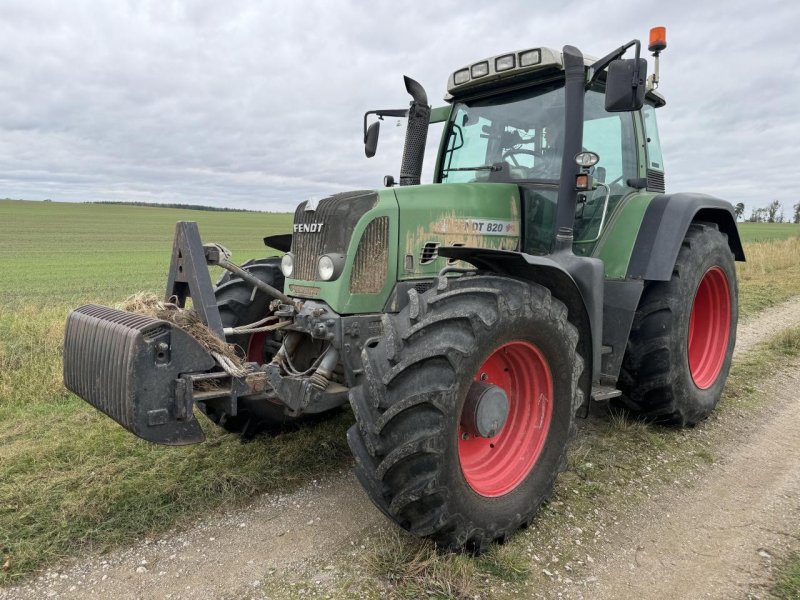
[[514, 67]]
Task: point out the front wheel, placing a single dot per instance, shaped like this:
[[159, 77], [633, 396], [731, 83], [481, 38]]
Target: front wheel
[[683, 334], [240, 304], [466, 409]]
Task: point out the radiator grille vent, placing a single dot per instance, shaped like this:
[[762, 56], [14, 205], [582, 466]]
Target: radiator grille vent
[[655, 181], [370, 266], [430, 252]]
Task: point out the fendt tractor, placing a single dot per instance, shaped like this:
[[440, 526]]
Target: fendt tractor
[[467, 322]]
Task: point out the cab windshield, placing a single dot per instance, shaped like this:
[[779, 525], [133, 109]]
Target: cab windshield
[[515, 136], [518, 137]]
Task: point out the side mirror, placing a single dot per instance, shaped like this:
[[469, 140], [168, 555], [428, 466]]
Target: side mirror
[[371, 139], [625, 84]]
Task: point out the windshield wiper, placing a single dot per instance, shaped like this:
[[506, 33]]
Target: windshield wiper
[[480, 168]]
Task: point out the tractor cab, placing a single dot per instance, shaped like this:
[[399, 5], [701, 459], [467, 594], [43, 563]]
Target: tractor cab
[[506, 122], [510, 131]]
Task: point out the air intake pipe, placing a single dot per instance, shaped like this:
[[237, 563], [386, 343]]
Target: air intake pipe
[[419, 115], [574, 91]]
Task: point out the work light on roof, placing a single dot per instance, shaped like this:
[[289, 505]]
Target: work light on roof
[[504, 63], [461, 76], [480, 69], [530, 58]]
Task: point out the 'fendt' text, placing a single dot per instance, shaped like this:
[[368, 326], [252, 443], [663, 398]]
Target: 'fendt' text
[[308, 227]]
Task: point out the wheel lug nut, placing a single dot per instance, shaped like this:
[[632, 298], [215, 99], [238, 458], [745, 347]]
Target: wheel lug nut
[[465, 436]]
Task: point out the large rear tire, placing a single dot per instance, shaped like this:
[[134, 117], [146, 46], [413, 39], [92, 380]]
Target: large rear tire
[[413, 455], [241, 304], [681, 343]]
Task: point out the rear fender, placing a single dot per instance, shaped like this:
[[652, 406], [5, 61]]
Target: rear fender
[[664, 226]]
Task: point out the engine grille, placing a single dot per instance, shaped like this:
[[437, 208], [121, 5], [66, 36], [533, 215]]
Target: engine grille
[[338, 215], [370, 266]]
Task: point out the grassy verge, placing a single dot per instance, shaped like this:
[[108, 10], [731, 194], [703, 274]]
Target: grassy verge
[[770, 276], [787, 583], [73, 480], [615, 465]]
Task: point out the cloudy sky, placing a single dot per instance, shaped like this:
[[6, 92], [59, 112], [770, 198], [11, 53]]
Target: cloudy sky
[[259, 104]]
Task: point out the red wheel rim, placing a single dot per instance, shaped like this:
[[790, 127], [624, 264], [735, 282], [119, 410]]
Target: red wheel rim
[[709, 328], [255, 347], [494, 466]]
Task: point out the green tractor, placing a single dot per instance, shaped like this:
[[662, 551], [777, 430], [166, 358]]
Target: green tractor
[[466, 322]]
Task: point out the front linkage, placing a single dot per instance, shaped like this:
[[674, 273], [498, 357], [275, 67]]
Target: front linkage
[[147, 373]]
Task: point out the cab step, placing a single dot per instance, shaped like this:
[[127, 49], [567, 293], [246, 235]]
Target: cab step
[[604, 392]]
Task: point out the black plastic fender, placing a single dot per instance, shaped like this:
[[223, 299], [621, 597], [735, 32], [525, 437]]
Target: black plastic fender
[[576, 281], [664, 226], [281, 242]]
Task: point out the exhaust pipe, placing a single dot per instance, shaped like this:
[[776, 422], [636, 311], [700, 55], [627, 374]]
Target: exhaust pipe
[[419, 115]]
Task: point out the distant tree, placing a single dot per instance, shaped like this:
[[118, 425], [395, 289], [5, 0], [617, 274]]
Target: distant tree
[[772, 210], [796, 218], [174, 205], [739, 210], [757, 215], [780, 217]]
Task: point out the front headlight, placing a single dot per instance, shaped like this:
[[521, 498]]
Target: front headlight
[[287, 264], [326, 268]]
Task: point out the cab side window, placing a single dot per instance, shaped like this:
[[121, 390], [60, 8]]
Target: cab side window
[[611, 136], [654, 158]]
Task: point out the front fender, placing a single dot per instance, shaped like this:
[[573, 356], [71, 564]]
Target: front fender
[[576, 281]]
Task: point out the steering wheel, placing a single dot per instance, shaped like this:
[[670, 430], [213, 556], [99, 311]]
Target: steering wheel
[[512, 151]]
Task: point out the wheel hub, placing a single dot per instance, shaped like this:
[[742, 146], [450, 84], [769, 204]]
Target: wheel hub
[[485, 410]]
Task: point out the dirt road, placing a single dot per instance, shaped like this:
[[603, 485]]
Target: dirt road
[[717, 540], [711, 541]]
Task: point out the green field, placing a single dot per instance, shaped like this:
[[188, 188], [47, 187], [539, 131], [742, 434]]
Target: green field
[[61, 253], [764, 232], [70, 478]]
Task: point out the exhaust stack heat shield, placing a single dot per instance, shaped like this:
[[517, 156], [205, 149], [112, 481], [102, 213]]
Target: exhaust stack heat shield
[[126, 365]]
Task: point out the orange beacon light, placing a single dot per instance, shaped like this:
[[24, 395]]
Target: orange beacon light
[[658, 39]]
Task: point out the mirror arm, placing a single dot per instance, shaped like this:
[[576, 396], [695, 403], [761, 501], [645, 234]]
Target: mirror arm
[[599, 65], [389, 112]]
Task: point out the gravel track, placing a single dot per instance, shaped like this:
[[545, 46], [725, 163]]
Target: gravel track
[[705, 542], [719, 539]]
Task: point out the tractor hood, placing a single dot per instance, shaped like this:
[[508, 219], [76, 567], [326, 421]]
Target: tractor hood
[[484, 215], [375, 238]]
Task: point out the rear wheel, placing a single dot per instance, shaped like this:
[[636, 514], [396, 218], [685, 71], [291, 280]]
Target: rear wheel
[[684, 331], [432, 448], [240, 304]]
